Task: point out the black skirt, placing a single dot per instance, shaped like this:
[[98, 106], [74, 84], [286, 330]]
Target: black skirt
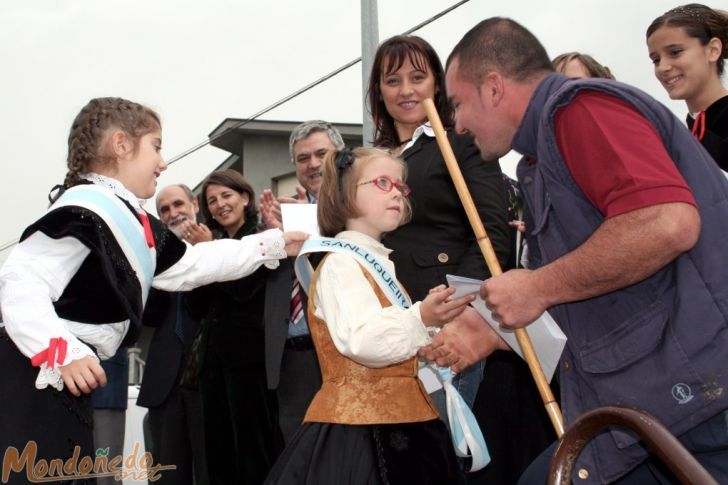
[[386, 454], [53, 422]]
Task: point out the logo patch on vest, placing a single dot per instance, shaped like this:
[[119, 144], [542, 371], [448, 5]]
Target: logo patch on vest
[[682, 393]]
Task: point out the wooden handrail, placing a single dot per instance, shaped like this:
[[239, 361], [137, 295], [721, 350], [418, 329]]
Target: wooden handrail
[[656, 436]]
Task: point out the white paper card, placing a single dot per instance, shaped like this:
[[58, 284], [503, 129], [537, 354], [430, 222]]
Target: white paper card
[[300, 217], [547, 338]]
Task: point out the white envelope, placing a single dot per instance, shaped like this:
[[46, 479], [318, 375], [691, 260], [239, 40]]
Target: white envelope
[[300, 217], [547, 338]]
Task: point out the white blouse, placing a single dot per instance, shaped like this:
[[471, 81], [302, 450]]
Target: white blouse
[[424, 129], [39, 268], [360, 328]]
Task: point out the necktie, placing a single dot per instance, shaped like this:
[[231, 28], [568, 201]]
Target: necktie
[[179, 322], [296, 302]]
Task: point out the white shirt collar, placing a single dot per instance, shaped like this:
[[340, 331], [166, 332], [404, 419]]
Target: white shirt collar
[[419, 131], [367, 241], [117, 188]]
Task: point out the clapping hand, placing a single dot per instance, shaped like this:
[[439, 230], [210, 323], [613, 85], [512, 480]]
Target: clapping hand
[[270, 206], [193, 233], [270, 210]]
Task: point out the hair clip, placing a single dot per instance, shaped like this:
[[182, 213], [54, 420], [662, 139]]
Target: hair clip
[[688, 11], [344, 159]]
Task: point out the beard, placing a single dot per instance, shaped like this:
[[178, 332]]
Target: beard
[[175, 225]]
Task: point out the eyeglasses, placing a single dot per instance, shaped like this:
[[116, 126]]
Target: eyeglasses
[[385, 184]]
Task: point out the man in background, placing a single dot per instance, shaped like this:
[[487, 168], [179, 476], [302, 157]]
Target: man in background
[[291, 364], [169, 388]]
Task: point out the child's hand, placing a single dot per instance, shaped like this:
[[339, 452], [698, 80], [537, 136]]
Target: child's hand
[[83, 375], [437, 308], [437, 289], [294, 240]]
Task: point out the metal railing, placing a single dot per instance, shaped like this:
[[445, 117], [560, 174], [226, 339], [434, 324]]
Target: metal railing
[[136, 366]]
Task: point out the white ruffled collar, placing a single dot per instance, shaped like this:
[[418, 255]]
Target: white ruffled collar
[[425, 129], [117, 188]]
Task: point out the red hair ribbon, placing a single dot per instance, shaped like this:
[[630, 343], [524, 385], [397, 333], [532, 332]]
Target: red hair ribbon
[[699, 126], [55, 353]]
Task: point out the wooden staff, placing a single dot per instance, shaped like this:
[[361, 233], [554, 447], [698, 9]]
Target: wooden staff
[[486, 247]]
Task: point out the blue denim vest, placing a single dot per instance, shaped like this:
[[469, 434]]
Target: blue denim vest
[[660, 345]]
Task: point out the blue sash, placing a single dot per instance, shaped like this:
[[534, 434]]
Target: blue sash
[[126, 228], [466, 434]]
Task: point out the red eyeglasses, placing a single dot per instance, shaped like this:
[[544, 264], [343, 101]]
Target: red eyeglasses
[[385, 184]]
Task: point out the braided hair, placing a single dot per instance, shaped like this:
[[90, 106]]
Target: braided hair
[[90, 128]]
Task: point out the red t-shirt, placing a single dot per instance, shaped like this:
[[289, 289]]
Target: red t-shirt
[[616, 156]]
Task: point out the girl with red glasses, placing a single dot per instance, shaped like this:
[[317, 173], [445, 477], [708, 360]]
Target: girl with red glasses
[[371, 422]]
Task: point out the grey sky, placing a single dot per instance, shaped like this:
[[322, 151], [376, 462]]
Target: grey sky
[[197, 63]]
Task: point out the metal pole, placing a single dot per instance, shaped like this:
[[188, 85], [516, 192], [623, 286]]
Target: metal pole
[[369, 43]]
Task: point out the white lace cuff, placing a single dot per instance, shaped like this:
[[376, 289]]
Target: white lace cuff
[[271, 245], [49, 377], [52, 376]]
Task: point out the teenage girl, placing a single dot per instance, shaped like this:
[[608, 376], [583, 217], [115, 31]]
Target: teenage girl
[[688, 46]]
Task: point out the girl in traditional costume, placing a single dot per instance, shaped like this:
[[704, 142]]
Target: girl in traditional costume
[[73, 290], [372, 422]]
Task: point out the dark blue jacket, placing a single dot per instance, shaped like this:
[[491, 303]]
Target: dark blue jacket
[[661, 344]]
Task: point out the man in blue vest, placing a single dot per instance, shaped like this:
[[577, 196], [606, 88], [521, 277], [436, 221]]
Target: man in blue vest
[[627, 227]]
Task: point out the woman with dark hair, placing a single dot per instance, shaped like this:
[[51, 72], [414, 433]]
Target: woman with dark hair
[[228, 201], [688, 46], [438, 240], [242, 437]]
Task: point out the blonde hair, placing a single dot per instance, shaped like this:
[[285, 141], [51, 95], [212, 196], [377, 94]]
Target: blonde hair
[[590, 64], [337, 195]]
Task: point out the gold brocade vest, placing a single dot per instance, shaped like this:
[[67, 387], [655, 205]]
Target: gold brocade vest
[[352, 393]]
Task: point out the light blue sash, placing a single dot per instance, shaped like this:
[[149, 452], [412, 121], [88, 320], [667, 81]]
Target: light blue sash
[[126, 228], [466, 434]]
